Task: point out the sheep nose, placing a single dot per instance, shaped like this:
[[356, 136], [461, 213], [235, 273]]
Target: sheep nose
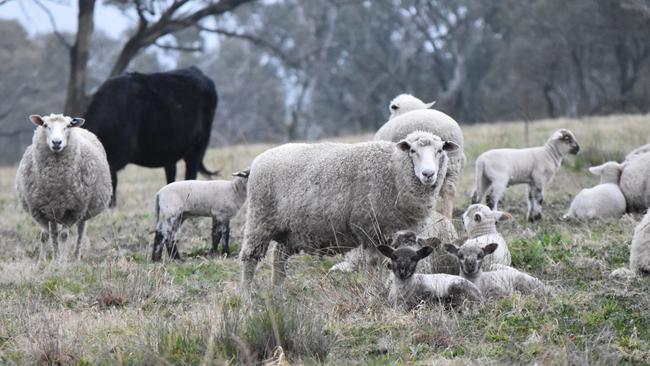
[[428, 173], [56, 143]]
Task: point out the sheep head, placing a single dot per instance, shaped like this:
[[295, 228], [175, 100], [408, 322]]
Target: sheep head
[[426, 151], [404, 260], [470, 256], [57, 129], [565, 142]]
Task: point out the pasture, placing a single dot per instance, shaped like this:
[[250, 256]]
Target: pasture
[[115, 307]]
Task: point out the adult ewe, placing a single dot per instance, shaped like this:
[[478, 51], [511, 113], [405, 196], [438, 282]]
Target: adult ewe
[[635, 180], [333, 197], [413, 115], [154, 120], [63, 177], [536, 166], [639, 252], [603, 200]]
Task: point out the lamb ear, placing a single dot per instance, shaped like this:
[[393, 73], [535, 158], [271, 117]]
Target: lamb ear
[[386, 251], [501, 216], [451, 249], [490, 248], [36, 119], [450, 146], [597, 170], [77, 122], [404, 145], [424, 252], [429, 242], [243, 173], [429, 105]]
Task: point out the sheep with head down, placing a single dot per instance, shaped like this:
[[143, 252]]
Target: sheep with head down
[[332, 197]]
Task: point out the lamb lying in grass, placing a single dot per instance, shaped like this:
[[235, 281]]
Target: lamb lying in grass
[[493, 284], [218, 199], [604, 200], [480, 224], [409, 288]]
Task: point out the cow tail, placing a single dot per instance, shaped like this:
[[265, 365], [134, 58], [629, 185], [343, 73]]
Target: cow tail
[[208, 173]]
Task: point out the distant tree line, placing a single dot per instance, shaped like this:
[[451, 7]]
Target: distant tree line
[[295, 69]]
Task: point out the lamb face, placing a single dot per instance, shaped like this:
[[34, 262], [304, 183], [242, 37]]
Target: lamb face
[[609, 172], [478, 215], [470, 257], [404, 260], [405, 103], [426, 151], [565, 142], [57, 129]]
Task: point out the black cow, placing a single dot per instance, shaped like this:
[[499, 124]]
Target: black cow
[[154, 120]]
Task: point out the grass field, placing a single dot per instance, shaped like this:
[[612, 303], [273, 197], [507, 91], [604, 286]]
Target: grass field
[[115, 307]]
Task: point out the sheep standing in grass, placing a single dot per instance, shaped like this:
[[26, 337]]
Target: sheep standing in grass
[[409, 114], [63, 178], [330, 197], [498, 169], [635, 180], [603, 200], [218, 199], [409, 288], [639, 251], [480, 225], [498, 283]]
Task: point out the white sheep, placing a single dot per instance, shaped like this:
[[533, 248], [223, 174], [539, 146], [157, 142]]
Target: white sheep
[[334, 197], [218, 199], [415, 116], [406, 103], [63, 178], [639, 251], [635, 180], [501, 282], [480, 225], [536, 166], [408, 288], [604, 200]]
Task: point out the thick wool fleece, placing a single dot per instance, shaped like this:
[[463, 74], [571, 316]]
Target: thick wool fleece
[[431, 287], [640, 250], [635, 182]]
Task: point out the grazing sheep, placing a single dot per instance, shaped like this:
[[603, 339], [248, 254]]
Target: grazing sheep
[[635, 180], [603, 200], [409, 288], [480, 224], [639, 251], [218, 199], [536, 166], [332, 197], [405, 103], [497, 283], [417, 117], [63, 178]]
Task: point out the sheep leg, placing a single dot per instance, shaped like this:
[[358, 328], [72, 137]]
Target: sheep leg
[[81, 227], [535, 200], [114, 184], [225, 249], [43, 238], [279, 271], [494, 196], [448, 196], [256, 243], [170, 172], [216, 235], [54, 238], [172, 239], [158, 242]]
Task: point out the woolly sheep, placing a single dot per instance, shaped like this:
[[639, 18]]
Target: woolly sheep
[[497, 283], [218, 199], [603, 200], [334, 197], [536, 166], [63, 178], [415, 116], [639, 251], [635, 180], [480, 225], [409, 288]]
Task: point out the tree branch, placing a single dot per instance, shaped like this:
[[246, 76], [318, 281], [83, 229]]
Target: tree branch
[[55, 29], [171, 47]]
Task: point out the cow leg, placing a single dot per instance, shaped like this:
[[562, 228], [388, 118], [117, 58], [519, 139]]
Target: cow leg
[[170, 172], [114, 183], [191, 167]]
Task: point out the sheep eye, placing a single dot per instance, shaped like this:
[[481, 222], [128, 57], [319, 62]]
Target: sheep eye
[[461, 257], [393, 107], [480, 256], [44, 125]]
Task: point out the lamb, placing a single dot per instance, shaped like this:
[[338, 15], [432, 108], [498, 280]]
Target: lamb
[[497, 283], [604, 200], [480, 224], [333, 197], [409, 288], [63, 178], [218, 199], [536, 166], [413, 115], [635, 180], [639, 251]]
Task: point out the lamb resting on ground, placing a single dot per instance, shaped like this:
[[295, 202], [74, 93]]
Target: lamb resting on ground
[[409, 288], [603, 200], [536, 166], [480, 225], [414, 115], [331, 197], [63, 178], [218, 199], [497, 283]]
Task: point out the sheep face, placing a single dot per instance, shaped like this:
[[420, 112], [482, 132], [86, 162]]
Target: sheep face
[[404, 260], [565, 142], [426, 151], [609, 172], [477, 214], [57, 129], [470, 256], [405, 103]]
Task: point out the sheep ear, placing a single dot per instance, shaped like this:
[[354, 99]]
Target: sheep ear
[[597, 170], [501, 216], [77, 122], [490, 248], [386, 251], [36, 119], [478, 217], [622, 165], [450, 146], [429, 105], [451, 249], [404, 145], [243, 173], [429, 242], [424, 252]]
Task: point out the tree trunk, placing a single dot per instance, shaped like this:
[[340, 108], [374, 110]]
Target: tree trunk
[[76, 94]]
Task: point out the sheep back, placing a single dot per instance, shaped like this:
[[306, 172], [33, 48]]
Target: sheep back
[[603, 200]]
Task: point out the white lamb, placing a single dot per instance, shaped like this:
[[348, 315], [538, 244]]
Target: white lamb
[[409, 288], [334, 197], [635, 180], [414, 115], [639, 251], [498, 283], [536, 166], [218, 199], [604, 200], [63, 178], [480, 225]]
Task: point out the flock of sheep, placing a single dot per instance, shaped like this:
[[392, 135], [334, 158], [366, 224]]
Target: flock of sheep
[[373, 201]]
